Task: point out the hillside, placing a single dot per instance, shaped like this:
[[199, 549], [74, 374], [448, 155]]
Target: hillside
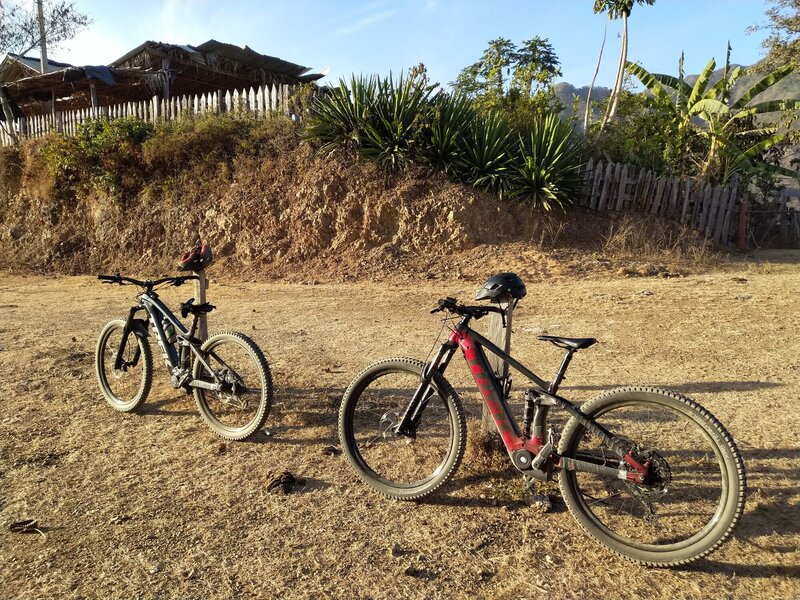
[[274, 209]]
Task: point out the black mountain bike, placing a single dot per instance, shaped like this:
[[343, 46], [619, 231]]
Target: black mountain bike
[[648, 472], [227, 373]]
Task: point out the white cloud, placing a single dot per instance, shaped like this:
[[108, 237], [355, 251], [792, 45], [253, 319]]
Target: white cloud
[[363, 23]]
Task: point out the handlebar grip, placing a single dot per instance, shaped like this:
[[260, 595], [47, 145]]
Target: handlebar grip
[[445, 304]]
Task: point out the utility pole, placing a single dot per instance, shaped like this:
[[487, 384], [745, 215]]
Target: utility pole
[[42, 38]]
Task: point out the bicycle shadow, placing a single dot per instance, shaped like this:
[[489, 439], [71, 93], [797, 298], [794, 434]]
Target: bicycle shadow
[[688, 388], [157, 407]]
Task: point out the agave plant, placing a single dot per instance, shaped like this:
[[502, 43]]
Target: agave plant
[[547, 172], [450, 122], [340, 118], [486, 154], [392, 130], [722, 118]]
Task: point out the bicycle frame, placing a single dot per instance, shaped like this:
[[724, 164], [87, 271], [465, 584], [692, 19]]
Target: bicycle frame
[[532, 455], [157, 312]]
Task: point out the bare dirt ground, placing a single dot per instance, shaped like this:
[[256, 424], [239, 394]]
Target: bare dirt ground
[[152, 505]]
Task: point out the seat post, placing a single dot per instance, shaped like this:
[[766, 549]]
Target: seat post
[[561, 370]]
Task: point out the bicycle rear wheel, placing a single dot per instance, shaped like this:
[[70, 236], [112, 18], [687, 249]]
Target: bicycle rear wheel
[[399, 466], [127, 387], [697, 492], [240, 408]]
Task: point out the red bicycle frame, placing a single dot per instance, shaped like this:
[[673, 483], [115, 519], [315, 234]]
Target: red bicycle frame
[[533, 455]]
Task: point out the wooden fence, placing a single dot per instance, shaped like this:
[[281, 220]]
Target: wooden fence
[[712, 209], [262, 101]]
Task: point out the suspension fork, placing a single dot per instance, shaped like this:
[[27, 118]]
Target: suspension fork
[[413, 413], [126, 331]]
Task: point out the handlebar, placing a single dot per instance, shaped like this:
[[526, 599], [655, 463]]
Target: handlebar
[[148, 284], [475, 312]]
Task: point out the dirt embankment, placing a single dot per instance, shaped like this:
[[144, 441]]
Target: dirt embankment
[[293, 215]]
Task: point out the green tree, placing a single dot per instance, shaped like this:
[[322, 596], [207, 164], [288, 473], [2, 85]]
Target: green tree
[[485, 80], [783, 43], [516, 81], [536, 65], [618, 9]]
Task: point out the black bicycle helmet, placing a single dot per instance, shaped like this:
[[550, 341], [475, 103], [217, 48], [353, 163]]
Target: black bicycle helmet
[[502, 284], [199, 257]]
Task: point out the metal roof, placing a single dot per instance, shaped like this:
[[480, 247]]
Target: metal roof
[[208, 53], [35, 63], [23, 64]]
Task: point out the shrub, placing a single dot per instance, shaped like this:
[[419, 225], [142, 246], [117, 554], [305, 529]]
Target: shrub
[[396, 123], [392, 129], [104, 154], [451, 117], [339, 118], [487, 154], [547, 171]]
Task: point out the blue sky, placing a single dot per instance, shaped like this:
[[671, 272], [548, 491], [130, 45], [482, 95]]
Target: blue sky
[[446, 35]]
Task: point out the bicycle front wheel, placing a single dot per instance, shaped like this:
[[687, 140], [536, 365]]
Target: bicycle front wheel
[[399, 466], [127, 387], [240, 407], [696, 492]]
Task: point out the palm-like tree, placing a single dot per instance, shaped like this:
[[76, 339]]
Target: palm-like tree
[[618, 9]]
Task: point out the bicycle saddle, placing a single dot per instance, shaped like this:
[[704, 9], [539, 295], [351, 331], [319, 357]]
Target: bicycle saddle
[[565, 342]]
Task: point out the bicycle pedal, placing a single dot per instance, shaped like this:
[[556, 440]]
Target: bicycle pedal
[[542, 456]]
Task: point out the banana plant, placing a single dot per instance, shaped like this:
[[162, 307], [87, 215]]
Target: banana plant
[[721, 118]]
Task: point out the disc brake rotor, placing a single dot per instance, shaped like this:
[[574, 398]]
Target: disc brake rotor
[[660, 478], [228, 394], [387, 424]]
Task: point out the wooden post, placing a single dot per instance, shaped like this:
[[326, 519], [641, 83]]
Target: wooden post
[[200, 287], [500, 336]]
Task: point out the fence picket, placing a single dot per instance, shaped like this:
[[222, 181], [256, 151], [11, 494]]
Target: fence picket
[[715, 229], [687, 187], [623, 184], [607, 179], [725, 234], [598, 176], [708, 220], [583, 199]]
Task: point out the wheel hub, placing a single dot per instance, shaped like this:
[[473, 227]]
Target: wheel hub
[[657, 481]]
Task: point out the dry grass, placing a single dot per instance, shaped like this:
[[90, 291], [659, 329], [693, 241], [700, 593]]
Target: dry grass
[[151, 505], [652, 239]]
